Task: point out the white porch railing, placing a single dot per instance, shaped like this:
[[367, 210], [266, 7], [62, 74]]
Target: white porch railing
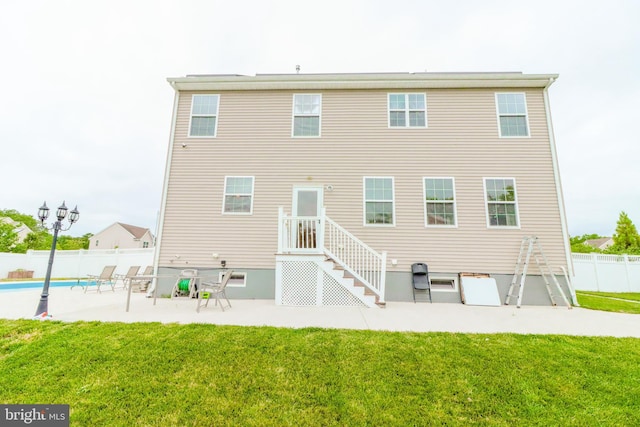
[[299, 234], [322, 235]]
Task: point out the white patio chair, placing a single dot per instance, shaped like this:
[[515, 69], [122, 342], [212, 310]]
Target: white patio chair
[[105, 278], [215, 290]]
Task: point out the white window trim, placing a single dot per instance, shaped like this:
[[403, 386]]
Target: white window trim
[[224, 194], [486, 206], [425, 201], [407, 110], [526, 117], [191, 115], [364, 201], [294, 115], [234, 274], [441, 276]]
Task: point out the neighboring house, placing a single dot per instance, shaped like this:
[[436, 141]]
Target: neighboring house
[[122, 236], [20, 229], [602, 243], [284, 177]]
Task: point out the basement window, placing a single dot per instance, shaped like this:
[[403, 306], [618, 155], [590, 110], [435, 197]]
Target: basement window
[[237, 280], [444, 284]]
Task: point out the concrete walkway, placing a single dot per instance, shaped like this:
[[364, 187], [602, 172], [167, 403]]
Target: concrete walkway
[[73, 304]]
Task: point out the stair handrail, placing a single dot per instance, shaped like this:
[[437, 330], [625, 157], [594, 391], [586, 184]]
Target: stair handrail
[[359, 259]]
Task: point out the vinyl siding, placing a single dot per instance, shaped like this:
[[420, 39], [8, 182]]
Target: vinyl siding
[[461, 141]]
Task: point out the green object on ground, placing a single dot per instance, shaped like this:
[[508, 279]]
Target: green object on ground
[[183, 285]]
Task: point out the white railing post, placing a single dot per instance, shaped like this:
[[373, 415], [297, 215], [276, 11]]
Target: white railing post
[[383, 275], [320, 231], [280, 229]]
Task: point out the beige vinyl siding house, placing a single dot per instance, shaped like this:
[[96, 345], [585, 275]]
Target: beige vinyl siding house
[[122, 236], [456, 140]]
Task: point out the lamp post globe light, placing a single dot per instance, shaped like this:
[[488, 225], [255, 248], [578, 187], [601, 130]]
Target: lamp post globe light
[[61, 214]]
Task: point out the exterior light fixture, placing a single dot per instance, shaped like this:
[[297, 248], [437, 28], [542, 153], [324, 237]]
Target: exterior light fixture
[[61, 214]]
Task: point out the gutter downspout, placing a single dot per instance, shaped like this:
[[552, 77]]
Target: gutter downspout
[[165, 189], [556, 173]]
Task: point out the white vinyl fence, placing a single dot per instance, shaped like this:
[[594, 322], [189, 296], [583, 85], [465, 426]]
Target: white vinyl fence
[[606, 273], [72, 264]]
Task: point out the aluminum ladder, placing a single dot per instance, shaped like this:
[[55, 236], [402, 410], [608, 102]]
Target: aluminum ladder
[[529, 246]]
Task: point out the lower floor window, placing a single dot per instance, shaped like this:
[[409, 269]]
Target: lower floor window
[[502, 210], [378, 201], [440, 202], [238, 194]]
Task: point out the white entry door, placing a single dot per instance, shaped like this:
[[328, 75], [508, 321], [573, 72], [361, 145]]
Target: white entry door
[[307, 208], [307, 201]]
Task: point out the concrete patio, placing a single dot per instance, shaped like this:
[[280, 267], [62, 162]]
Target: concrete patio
[[74, 305]]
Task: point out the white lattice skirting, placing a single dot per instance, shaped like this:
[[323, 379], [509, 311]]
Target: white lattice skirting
[[304, 283]]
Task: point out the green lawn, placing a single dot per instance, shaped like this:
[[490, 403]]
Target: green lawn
[[633, 296], [609, 301], [150, 374]]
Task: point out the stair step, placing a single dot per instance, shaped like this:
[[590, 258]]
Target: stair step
[[357, 287]]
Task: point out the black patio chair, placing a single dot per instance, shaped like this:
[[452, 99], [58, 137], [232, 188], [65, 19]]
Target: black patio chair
[[420, 279]]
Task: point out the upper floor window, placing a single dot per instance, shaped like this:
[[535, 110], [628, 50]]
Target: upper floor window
[[502, 209], [204, 115], [407, 110], [440, 202], [512, 114], [238, 194], [378, 201], [307, 109]]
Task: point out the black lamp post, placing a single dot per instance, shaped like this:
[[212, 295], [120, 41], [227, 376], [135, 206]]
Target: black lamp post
[[43, 214]]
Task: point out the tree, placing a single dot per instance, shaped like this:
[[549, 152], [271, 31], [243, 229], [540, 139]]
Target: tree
[[73, 243], [8, 237], [578, 244], [28, 220], [39, 239], [626, 239]]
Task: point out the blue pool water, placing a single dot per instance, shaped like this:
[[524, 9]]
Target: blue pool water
[[18, 286]]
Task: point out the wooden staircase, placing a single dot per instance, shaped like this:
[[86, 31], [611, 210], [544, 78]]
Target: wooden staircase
[[353, 273], [353, 285]]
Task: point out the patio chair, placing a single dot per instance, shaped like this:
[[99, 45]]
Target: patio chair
[[126, 278], [143, 283], [214, 290], [186, 285], [420, 279], [105, 278]]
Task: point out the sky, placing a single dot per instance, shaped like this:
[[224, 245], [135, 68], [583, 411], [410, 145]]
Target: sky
[[85, 110]]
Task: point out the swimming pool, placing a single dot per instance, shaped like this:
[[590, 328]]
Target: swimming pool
[[20, 286]]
